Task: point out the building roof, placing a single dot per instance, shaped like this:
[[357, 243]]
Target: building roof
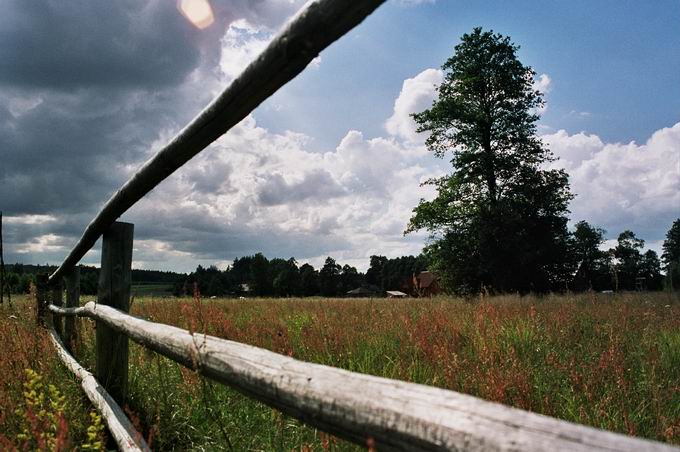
[[396, 293], [361, 291]]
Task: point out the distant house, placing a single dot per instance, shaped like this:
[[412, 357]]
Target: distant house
[[425, 284], [395, 294], [363, 292], [245, 288]]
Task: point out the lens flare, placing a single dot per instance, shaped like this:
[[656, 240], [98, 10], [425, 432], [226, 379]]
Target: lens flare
[[198, 12]]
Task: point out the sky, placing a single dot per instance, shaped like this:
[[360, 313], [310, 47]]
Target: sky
[[331, 164]]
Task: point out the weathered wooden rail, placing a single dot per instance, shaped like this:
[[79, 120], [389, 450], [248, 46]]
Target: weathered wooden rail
[[394, 415], [119, 425]]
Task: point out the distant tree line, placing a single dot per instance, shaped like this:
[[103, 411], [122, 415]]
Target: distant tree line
[[623, 267], [21, 276], [588, 266], [258, 276]]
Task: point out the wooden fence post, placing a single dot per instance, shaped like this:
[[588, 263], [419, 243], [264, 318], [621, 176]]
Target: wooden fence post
[[72, 301], [114, 290], [41, 297], [57, 300]]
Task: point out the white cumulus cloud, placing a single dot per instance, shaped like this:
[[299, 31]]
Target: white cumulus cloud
[[416, 95], [623, 185], [543, 83], [241, 43], [255, 190]]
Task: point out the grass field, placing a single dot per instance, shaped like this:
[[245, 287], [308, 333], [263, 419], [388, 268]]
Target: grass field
[[609, 361], [159, 290]]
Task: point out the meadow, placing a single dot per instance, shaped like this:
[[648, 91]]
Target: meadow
[[609, 361]]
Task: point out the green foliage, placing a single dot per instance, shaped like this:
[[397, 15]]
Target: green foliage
[[95, 433], [329, 278], [261, 276], [593, 265], [272, 278], [42, 415], [309, 281], [21, 276], [395, 274], [650, 269], [43, 421], [632, 269], [627, 252], [499, 219], [671, 246], [287, 277], [18, 282], [671, 256]]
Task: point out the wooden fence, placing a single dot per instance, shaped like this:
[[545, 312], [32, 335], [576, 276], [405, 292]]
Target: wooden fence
[[394, 415]]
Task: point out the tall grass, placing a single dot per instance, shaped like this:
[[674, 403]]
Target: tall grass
[[41, 405], [601, 360], [609, 361]]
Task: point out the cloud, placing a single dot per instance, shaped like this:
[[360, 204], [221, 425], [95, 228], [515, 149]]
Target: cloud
[[287, 200], [43, 243], [79, 44], [623, 185], [85, 89], [543, 84], [416, 95], [580, 114], [18, 106], [317, 185], [90, 91], [240, 45]]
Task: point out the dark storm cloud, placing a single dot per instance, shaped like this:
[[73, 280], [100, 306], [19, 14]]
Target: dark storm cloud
[[74, 44], [70, 152], [95, 84], [87, 89], [194, 231]]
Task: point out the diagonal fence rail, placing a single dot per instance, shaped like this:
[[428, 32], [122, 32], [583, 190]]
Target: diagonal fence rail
[[394, 415]]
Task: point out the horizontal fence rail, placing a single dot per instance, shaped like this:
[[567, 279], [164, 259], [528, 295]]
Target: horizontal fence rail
[[316, 27], [394, 415], [122, 431]]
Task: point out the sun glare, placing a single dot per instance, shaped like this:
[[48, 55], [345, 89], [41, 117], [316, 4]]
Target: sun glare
[[198, 12]]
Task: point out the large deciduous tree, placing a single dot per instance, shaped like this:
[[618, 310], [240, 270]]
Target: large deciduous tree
[[499, 219]]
